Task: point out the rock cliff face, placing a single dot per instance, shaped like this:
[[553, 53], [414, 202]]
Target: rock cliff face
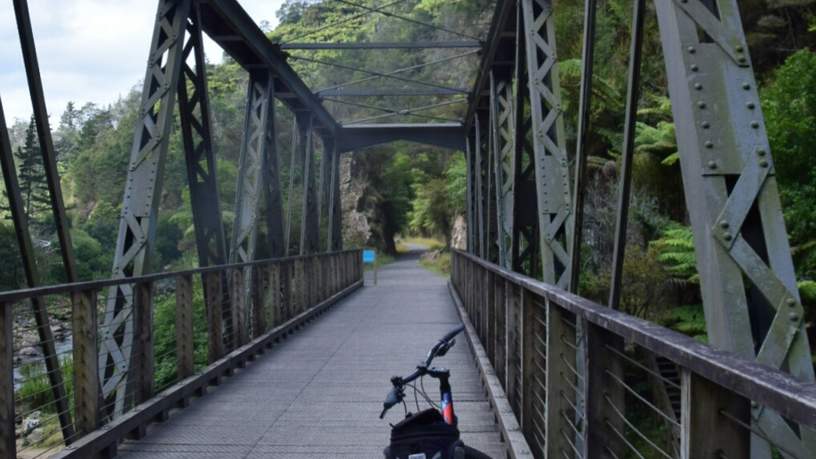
[[353, 184], [459, 233]]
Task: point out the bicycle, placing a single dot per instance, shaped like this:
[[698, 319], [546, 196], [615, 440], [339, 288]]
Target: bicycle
[[432, 433]]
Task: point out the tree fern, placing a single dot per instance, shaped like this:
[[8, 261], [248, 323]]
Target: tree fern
[[675, 250]]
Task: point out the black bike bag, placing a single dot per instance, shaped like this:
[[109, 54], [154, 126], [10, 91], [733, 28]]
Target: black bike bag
[[423, 433]]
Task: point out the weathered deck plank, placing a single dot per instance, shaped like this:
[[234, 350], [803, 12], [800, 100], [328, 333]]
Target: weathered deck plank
[[319, 393]]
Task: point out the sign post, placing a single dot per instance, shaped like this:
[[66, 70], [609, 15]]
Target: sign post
[[370, 258]]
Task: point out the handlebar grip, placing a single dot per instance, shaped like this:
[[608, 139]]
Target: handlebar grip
[[453, 333]]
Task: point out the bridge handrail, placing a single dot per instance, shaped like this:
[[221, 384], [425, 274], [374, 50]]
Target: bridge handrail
[[239, 309], [611, 333], [12, 296]]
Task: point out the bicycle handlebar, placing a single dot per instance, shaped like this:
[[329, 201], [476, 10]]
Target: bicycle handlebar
[[395, 395]]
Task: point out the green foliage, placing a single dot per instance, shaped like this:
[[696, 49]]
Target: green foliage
[[456, 176], [807, 289], [92, 260], [11, 274], [35, 392], [31, 175], [687, 319], [164, 335], [675, 250], [437, 261], [789, 104]]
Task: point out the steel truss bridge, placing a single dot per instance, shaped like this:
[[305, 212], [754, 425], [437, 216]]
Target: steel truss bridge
[[565, 377]]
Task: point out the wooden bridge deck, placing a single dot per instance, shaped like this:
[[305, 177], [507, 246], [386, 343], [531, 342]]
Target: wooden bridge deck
[[319, 393]]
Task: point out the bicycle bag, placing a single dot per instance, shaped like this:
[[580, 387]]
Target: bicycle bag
[[424, 435]]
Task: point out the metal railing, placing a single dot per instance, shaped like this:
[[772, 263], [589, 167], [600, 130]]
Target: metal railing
[[641, 391], [188, 335]]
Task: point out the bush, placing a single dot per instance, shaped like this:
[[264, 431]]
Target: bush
[[35, 392]]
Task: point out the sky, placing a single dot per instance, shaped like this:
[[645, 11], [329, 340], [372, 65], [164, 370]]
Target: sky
[[88, 50]]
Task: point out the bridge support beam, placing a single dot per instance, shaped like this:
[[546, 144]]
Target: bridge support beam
[[254, 148], [309, 235], [502, 125], [550, 158], [470, 196], [272, 188], [747, 278], [142, 193], [202, 178], [479, 192], [335, 227]]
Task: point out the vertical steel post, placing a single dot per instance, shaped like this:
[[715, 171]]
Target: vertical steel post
[[324, 188], [295, 153], [582, 137], [625, 181], [502, 116], [196, 133], [747, 280], [61, 221], [335, 230], [551, 170], [49, 154], [137, 227], [39, 309], [491, 223], [470, 196], [272, 188], [524, 248], [309, 242], [479, 233], [248, 190], [194, 114]]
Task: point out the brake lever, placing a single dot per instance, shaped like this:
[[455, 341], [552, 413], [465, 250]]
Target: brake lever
[[393, 398]]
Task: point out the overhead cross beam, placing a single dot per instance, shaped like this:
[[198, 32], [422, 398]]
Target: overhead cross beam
[[390, 92], [384, 45], [357, 136], [253, 50]]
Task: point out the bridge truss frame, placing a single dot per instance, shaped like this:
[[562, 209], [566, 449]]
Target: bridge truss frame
[[522, 211], [751, 301]]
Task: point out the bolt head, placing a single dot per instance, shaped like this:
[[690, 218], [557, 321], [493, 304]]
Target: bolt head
[[750, 105], [694, 67], [761, 152], [698, 86], [746, 86], [709, 144], [763, 163], [755, 124], [794, 317], [705, 125], [728, 236], [790, 302], [701, 104], [712, 164], [724, 224], [691, 50]]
